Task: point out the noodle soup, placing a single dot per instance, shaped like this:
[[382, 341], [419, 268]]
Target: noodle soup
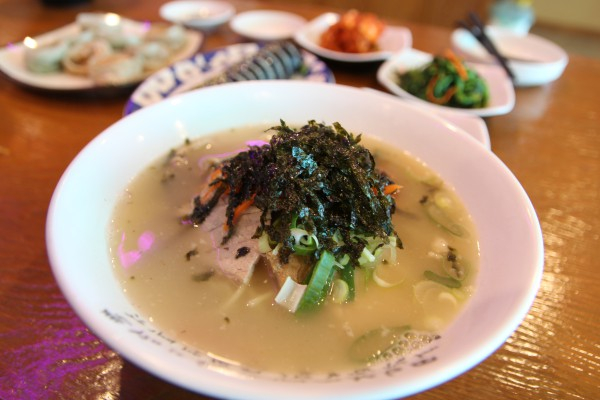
[[168, 270]]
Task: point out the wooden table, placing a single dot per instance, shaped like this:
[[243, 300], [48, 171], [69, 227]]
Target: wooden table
[[551, 141]]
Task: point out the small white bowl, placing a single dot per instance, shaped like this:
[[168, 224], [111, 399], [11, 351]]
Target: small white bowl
[[266, 25], [534, 60], [509, 234], [197, 14]]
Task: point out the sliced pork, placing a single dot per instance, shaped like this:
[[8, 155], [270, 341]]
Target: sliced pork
[[237, 258]]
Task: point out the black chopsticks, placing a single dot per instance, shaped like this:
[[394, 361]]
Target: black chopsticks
[[477, 29]]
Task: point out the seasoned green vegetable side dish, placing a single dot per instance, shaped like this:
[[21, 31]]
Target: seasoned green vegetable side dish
[[294, 249], [446, 81]]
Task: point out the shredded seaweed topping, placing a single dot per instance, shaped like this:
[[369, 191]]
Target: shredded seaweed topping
[[318, 176], [242, 251]]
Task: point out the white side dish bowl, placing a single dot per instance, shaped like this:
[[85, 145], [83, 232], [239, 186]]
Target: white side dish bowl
[[392, 40], [266, 25], [508, 229], [198, 14], [501, 91], [533, 59]]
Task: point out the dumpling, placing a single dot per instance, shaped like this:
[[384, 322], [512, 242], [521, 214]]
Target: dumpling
[[154, 55], [46, 59], [172, 35], [116, 69], [80, 55], [119, 40]]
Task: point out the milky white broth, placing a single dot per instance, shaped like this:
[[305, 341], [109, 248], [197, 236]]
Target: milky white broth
[[180, 296]]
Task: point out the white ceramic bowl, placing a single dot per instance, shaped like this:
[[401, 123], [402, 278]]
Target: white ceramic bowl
[[198, 14], [266, 25], [533, 59], [509, 234]]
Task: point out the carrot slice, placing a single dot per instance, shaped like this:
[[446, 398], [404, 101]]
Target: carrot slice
[[209, 192], [438, 100], [391, 189], [460, 68], [216, 174], [239, 210], [243, 206]]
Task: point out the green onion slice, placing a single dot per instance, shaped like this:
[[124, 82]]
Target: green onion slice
[[347, 275], [319, 283], [442, 280], [377, 343], [438, 216]]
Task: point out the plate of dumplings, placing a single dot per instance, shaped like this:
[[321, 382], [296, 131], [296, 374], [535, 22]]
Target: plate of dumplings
[[98, 50]]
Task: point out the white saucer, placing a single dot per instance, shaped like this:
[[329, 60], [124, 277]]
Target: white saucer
[[265, 25], [197, 14], [533, 59]]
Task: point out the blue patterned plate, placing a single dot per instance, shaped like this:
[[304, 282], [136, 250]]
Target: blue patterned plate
[[192, 72]]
